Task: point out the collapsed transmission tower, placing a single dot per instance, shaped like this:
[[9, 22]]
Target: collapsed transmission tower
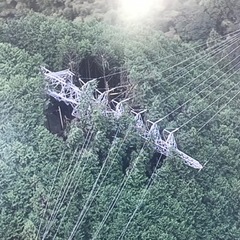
[[60, 86]]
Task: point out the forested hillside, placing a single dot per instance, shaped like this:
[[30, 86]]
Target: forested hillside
[[54, 174], [188, 19]]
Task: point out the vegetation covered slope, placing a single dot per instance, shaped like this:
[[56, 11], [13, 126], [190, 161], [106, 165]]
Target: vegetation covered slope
[[191, 20], [181, 203]]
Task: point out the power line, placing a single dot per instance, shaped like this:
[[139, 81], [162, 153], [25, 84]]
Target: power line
[[150, 182], [187, 84], [121, 189], [231, 99], [69, 183], [152, 62], [216, 50], [70, 200], [112, 161], [190, 99], [55, 206], [93, 188], [184, 124], [118, 193], [147, 187], [50, 194], [143, 195], [201, 74]]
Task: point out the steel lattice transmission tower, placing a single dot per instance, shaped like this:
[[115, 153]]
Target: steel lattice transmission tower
[[60, 86]]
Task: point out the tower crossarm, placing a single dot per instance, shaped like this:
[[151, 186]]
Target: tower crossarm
[[188, 160], [102, 97], [119, 108], [162, 147], [65, 74], [54, 80], [60, 86], [169, 138], [154, 131], [140, 126], [89, 86], [61, 97], [85, 99]]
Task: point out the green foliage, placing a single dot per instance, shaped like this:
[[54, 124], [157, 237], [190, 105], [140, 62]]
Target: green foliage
[[29, 231], [190, 20], [180, 204]]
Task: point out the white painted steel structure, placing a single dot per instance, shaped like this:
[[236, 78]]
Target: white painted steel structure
[[60, 86]]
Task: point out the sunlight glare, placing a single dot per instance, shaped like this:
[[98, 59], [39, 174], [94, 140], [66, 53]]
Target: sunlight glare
[[136, 9]]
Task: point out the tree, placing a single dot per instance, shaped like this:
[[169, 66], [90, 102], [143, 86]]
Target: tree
[[180, 203]]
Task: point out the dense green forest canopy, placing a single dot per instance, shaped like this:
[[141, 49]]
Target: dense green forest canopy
[[187, 19], [36, 164]]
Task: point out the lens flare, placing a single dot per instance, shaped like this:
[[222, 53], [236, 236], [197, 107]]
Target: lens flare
[[137, 9]]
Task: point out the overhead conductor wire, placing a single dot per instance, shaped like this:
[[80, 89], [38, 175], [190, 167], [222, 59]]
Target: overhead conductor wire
[[147, 187], [72, 176], [190, 99], [50, 194], [118, 193], [172, 55], [107, 75], [232, 88], [55, 206], [72, 195], [100, 184], [216, 49], [106, 215], [149, 183], [93, 187], [143, 195], [220, 110], [201, 74], [69, 183]]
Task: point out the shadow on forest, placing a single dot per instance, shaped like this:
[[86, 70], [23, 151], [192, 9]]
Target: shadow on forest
[[58, 113]]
